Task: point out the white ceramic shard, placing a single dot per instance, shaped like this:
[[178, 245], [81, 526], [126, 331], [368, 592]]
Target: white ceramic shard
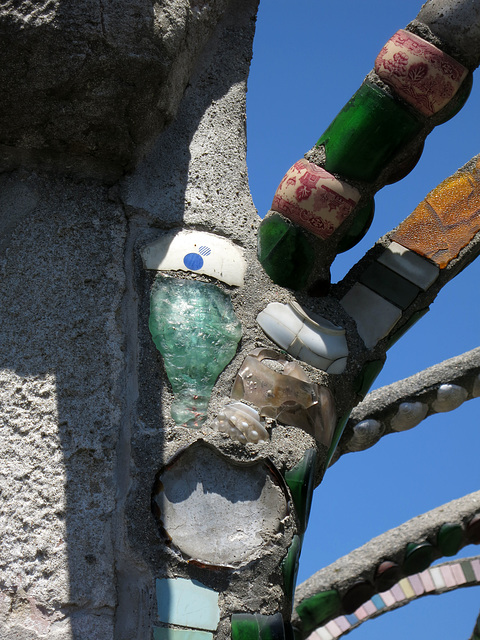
[[365, 434], [408, 415], [241, 422], [279, 323], [449, 397], [309, 338], [197, 251], [410, 265], [374, 316]]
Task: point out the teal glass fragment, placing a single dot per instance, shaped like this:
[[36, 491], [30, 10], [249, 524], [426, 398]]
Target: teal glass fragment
[[290, 566], [367, 133], [195, 328], [300, 481]]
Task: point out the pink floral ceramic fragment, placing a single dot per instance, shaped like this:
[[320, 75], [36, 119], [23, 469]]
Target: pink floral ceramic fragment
[[314, 198], [420, 73]]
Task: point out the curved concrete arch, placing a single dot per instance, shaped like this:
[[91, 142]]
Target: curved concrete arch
[[455, 574]]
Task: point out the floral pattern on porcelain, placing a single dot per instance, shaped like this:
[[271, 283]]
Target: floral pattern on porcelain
[[314, 198], [423, 75]]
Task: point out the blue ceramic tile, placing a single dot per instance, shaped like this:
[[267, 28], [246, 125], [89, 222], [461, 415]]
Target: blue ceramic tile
[[378, 602]]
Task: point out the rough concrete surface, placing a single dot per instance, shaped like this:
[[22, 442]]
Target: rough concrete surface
[[62, 285], [85, 423], [88, 84]]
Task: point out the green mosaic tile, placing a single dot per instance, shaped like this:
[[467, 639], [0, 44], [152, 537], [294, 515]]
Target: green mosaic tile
[[290, 566], [245, 627], [367, 133], [367, 377], [449, 539], [414, 318], [318, 609], [418, 557], [363, 218], [284, 252], [300, 481], [467, 571]]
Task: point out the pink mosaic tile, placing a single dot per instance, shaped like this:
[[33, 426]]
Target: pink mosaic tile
[[369, 607], [388, 598], [417, 585], [313, 198], [448, 576], [361, 613], [397, 593], [420, 73], [458, 574], [427, 581], [343, 623], [334, 629]]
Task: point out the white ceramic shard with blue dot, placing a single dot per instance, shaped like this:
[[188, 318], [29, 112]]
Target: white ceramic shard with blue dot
[[199, 252]]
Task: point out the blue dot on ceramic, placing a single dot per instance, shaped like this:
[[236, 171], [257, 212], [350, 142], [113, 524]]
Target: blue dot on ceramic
[[193, 261]]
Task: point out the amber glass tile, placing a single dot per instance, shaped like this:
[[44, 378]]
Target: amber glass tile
[[446, 221]]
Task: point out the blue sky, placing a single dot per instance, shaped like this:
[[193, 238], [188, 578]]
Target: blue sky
[[308, 61]]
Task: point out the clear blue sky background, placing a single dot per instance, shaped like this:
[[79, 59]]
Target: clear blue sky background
[[309, 59]]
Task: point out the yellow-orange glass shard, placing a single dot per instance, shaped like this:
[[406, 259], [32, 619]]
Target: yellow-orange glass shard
[[446, 221]]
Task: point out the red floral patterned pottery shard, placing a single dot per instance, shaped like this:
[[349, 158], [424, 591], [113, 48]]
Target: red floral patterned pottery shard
[[313, 198], [420, 73], [446, 221]]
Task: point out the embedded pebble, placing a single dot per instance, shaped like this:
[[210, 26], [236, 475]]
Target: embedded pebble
[[408, 415], [365, 434], [449, 397], [241, 422]]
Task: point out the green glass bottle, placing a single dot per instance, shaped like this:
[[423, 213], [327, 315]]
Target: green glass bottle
[[367, 133]]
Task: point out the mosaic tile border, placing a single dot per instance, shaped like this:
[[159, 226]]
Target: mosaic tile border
[[436, 580]]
